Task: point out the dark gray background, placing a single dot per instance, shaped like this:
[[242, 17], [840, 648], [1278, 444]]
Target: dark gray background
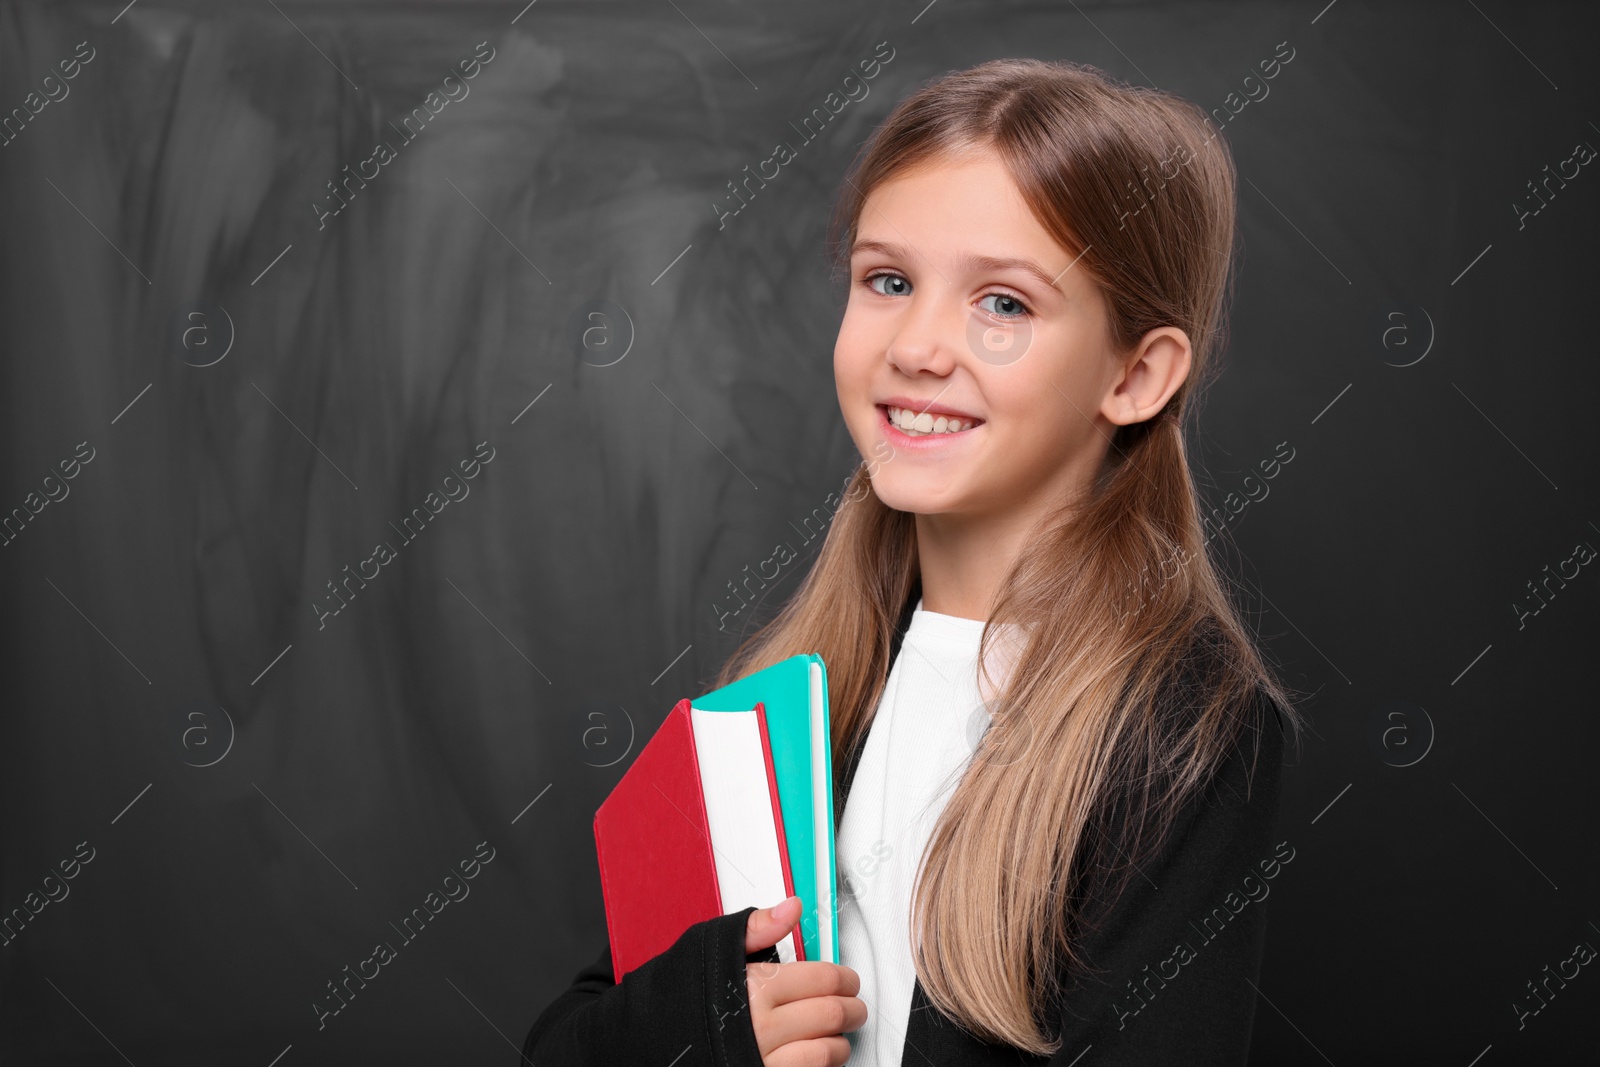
[[512, 655]]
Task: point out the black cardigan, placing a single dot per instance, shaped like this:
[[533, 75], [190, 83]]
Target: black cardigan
[[1177, 956]]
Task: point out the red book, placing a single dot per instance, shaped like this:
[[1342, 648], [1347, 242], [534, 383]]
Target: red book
[[693, 830]]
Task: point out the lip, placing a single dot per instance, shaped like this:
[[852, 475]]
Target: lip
[[921, 406], [899, 439]]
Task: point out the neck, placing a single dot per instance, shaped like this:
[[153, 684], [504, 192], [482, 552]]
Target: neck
[[964, 559], [965, 556]]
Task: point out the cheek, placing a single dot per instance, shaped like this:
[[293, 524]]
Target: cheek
[[852, 334], [844, 374], [1064, 439], [853, 357], [1038, 412], [852, 379]]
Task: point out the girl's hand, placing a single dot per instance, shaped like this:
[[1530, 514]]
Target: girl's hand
[[800, 1010]]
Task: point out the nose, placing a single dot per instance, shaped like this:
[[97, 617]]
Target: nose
[[926, 335]]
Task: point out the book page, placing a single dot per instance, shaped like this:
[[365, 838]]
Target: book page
[[744, 840]]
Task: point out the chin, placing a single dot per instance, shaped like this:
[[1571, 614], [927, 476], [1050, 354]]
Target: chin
[[915, 499]]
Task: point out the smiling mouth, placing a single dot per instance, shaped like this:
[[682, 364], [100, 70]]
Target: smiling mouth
[[926, 424]]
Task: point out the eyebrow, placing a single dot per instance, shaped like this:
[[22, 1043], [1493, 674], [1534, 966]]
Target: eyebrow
[[969, 261]]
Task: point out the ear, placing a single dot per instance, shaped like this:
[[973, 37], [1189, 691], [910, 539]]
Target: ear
[[1150, 374]]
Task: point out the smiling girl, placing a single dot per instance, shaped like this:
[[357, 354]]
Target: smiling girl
[[1057, 748]]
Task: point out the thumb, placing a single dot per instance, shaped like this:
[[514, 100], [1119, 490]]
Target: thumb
[[767, 926]]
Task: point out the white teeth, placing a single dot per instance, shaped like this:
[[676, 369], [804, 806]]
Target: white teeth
[[916, 425]]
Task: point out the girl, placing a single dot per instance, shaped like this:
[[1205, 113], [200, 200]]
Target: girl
[[1058, 748]]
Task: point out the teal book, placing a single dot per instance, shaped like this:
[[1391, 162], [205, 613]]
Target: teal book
[[795, 693]]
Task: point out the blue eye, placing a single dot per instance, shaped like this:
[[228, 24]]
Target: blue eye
[[1013, 309], [900, 278]]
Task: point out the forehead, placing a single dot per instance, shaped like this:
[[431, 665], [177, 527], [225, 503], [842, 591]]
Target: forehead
[[949, 206]]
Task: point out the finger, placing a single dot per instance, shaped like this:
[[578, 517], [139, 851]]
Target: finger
[[821, 1052], [767, 926], [779, 983], [814, 1017]]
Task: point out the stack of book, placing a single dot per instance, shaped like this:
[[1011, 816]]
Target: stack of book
[[728, 806]]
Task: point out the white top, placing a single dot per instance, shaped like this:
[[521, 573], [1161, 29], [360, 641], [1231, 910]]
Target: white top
[[922, 738]]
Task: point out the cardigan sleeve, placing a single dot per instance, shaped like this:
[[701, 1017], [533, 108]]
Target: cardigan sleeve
[[687, 1006], [1177, 956]]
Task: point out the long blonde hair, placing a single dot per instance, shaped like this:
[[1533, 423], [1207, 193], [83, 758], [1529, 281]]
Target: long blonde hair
[[1137, 675]]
